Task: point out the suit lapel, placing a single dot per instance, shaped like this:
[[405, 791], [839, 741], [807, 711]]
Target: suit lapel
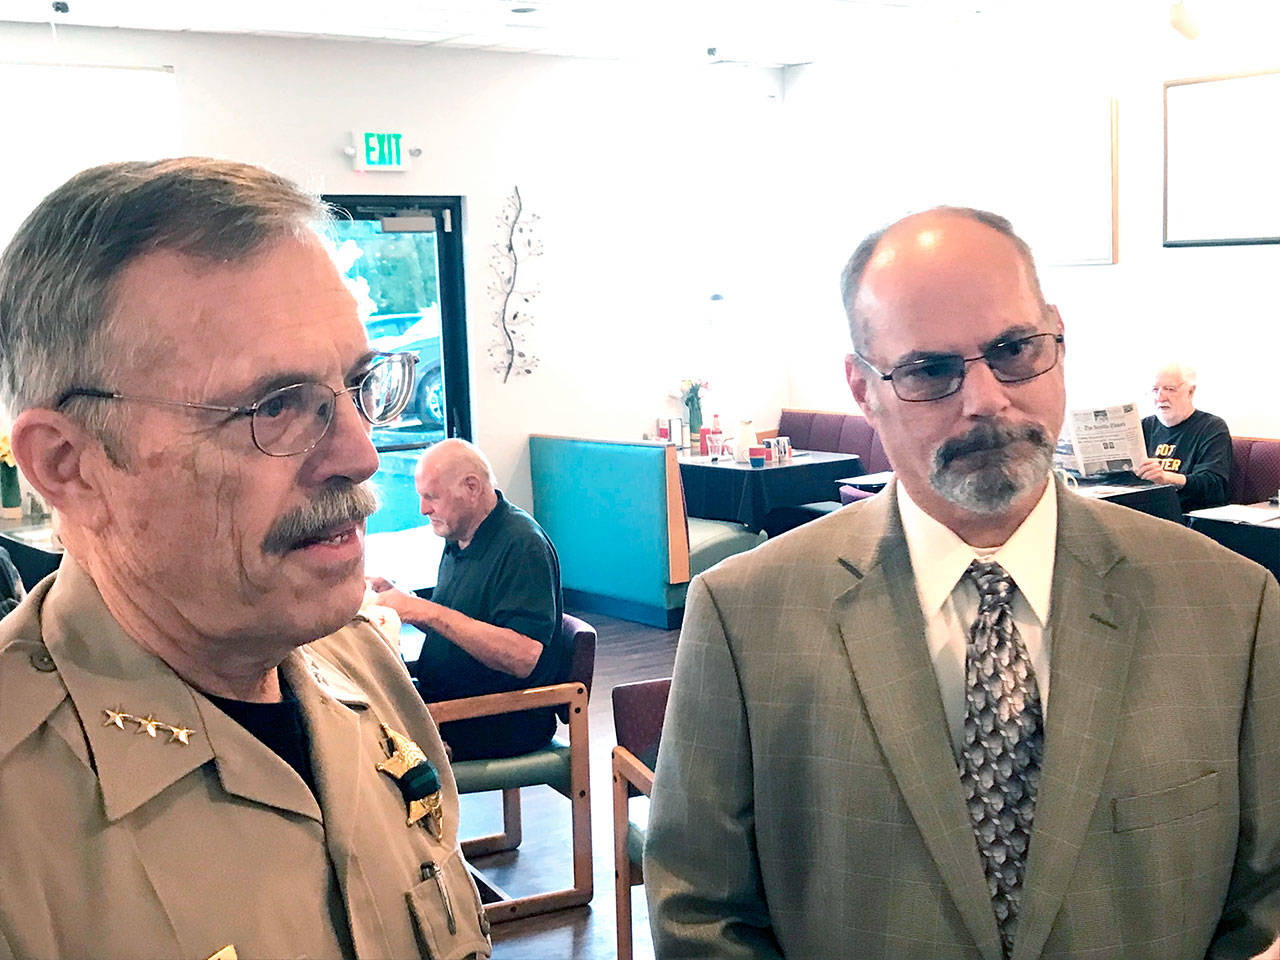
[[883, 631], [1092, 637]]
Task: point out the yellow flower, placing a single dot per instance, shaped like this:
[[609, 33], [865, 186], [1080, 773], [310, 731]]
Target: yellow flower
[[6, 451]]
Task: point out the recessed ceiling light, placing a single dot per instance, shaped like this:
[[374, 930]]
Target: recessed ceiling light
[[524, 9]]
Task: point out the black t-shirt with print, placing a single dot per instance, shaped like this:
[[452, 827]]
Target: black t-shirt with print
[[1199, 448]]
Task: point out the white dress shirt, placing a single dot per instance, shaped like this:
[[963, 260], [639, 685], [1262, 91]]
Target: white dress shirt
[[949, 601]]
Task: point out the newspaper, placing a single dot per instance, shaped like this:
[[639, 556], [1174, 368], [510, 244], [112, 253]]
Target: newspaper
[[1239, 513], [1101, 440]]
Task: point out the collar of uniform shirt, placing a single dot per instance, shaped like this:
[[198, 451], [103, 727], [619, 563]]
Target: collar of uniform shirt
[[940, 558]]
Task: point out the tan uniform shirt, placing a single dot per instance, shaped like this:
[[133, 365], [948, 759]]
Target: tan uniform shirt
[[118, 843]]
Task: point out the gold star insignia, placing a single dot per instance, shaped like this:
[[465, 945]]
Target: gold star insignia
[[406, 757], [431, 807], [407, 754], [180, 735], [148, 725]]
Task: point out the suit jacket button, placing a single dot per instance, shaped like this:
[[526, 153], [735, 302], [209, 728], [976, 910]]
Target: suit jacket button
[[43, 662]]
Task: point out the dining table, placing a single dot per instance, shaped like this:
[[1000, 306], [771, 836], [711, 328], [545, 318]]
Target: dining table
[[1157, 499], [1251, 530], [722, 488]]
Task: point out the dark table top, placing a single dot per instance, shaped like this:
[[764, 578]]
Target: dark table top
[[1257, 538], [728, 490], [1158, 499]]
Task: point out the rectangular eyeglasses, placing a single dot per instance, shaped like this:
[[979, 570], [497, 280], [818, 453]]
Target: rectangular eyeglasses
[[936, 377]]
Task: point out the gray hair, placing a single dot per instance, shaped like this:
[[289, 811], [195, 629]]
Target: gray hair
[[1186, 372], [58, 274], [851, 277]]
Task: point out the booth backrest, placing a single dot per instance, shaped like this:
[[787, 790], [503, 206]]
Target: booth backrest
[[615, 512], [836, 433], [1255, 469]]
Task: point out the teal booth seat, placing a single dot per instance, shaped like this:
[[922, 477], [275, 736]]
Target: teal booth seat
[[615, 512]]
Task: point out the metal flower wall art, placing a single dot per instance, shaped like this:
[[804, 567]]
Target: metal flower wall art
[[513, 321]]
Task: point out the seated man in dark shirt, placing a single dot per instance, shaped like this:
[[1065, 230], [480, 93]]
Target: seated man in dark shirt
[[493, 620], [1186, 447]]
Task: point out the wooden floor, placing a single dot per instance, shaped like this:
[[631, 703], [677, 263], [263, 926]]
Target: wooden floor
[[624, 652]]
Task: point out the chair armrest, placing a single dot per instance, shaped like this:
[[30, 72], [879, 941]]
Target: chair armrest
[[629, 767], [489, 704]]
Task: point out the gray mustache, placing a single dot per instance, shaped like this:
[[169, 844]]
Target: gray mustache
[[987, 436], [338, 505]]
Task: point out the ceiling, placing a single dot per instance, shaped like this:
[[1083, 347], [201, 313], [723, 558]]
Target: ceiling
[[760, 32]]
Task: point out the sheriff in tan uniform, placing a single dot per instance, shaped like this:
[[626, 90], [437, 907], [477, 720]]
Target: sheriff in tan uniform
[[141, 821], [204, 751]]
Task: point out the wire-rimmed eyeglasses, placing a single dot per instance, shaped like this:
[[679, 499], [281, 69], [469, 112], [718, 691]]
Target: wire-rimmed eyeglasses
[[292, 419], [936, 377]]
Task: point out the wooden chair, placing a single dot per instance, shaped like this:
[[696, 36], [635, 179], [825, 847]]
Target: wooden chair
[[638, 709], [563, 767]]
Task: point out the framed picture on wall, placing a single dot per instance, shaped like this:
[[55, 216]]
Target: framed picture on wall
[[1221, 148]]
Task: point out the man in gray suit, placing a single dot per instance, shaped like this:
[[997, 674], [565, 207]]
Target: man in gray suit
[[976, 715]]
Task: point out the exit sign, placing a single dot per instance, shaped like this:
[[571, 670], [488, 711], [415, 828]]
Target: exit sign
[[380, 150]]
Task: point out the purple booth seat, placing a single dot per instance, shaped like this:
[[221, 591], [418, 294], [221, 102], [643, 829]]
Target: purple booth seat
[[836, 433], [1255, 469]]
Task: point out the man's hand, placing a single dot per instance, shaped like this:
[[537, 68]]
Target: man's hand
[[379, 584], [1148, 469], [1153, 470], [407, 606]]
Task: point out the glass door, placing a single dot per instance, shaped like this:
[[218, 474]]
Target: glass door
[[403, 256]]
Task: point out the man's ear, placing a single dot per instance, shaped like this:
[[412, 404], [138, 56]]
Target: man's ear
[[1053, 310], [63, 462], [856, 374], [470, 484]]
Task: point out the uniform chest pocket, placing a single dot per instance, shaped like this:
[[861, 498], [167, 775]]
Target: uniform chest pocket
[[1162, 806], [447, 912]]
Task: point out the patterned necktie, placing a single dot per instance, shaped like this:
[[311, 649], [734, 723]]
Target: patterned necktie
[[1003, 742]]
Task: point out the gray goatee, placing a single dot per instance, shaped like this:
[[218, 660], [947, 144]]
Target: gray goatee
[[1003, 471]]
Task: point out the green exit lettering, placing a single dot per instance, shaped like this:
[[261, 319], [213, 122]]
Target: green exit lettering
[[382, 149]]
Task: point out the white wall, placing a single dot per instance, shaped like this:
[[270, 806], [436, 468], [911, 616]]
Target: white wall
[[879, 132], [659, 186], [646, 178]]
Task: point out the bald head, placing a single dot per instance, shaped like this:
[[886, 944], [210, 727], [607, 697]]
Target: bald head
[[921, 234], [455, 459], [455, 488]]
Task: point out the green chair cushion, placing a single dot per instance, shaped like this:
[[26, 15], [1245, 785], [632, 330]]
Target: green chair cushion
[[635, 843], [550, 765], [710, 541], [637, 827]]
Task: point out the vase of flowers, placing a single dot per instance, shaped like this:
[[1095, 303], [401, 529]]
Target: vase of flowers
[[691, 395], [10, 493]]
